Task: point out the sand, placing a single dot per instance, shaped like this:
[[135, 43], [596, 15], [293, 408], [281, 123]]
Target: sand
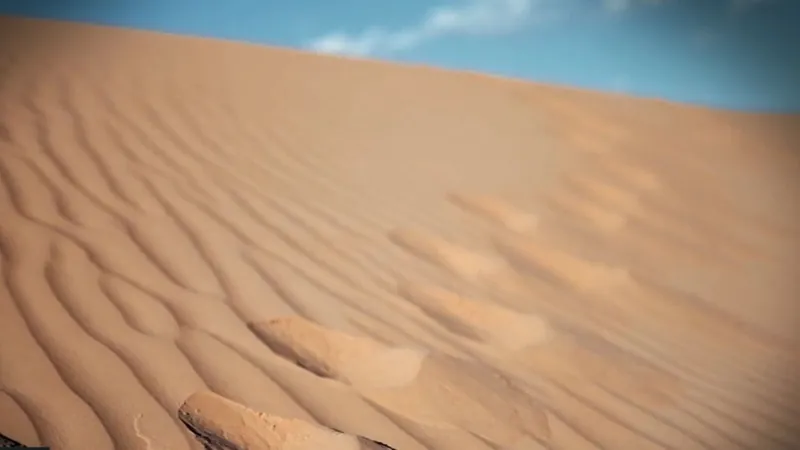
[[206, 241], [222, 424]]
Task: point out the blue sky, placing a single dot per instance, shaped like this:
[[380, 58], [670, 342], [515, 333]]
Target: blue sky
[[740, 54]]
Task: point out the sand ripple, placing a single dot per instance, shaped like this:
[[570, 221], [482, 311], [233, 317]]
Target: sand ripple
[[258, 247]]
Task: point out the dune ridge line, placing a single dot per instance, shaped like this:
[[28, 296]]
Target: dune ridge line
[[221, 424]]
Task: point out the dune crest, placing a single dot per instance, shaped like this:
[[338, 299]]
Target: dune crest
[[221, 424], [359, 361], [562, 266], [485, 321], [498, 211], [463, 262]]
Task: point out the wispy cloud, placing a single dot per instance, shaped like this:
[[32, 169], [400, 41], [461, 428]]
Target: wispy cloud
[[472, 17], [468, 17]]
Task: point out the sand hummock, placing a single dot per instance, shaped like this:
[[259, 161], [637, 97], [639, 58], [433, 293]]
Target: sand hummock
[[221, 424], [210, 242]]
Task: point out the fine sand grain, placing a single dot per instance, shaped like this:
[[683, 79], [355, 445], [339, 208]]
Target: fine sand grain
[[221, 244]]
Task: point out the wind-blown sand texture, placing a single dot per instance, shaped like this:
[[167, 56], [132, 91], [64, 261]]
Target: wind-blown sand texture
[[220, 424], [418, 257]]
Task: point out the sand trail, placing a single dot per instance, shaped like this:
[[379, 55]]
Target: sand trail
[[411, 383], [532, 341], [619, 296], [615, 285], [573, 270], [537, 346], [564, 377]]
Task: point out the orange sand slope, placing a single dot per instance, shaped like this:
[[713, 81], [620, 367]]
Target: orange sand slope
[[426, 259]]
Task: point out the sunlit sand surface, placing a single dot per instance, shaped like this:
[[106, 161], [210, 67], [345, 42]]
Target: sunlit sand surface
[[204, 242]]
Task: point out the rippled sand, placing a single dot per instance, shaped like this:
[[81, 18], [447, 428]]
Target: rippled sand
[[332, 253]]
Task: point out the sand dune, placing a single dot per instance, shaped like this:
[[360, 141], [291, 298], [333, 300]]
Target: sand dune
[[215, 243]]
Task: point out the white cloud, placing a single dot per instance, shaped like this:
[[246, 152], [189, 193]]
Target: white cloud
[[472, 17], [469, 17]]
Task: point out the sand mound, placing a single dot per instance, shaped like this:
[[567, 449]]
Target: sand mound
[[497, 211], [221, 424], [599, 191], [628, 173], [460, 261], [562, 267], [487, 322], [581, 209], [328, 353]]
